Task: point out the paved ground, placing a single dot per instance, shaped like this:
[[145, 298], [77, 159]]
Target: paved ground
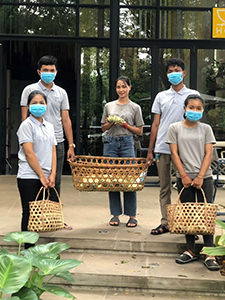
[[88, 214]]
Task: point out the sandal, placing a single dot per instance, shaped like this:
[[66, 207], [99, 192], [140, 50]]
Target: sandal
[[160, 230], [132, 221], [114, 221], [211, 264], [67, 227], [185, 258]]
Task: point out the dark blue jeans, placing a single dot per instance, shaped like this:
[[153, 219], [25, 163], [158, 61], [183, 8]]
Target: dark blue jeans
[[188, 195], [60, 152], [121, 146]]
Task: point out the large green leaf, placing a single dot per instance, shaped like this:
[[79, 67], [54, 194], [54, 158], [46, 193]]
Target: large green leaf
[[217, 238], [22, 237], [57, 290], [221, 241], [14, 273], [13, 298], [3, 251], [220, 223], [214, 251], [51, 267], [26, 294], [50, 250], [66, 276]]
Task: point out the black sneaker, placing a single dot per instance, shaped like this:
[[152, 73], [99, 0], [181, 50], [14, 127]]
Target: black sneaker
[[185, 258]]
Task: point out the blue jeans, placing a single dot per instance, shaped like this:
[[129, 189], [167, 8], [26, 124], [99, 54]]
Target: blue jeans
[[121, 146]]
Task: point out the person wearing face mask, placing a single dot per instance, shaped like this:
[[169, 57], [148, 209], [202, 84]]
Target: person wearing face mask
[[57, 111], [191, 144], [37, 154], [167, 109]]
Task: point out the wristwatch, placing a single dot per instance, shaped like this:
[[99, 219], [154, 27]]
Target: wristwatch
[[72, 145]]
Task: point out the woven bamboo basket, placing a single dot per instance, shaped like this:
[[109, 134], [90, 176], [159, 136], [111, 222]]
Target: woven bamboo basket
[[99, 173], [192, 217], [45, 214]]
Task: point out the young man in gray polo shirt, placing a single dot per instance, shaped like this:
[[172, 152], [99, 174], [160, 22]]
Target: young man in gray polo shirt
[[168, 108], [57, 110]]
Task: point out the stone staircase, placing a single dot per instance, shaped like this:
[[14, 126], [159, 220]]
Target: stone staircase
[[135, 267]]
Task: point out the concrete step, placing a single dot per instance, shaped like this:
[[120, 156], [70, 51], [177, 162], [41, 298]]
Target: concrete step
[[143, 272], [131, 294]]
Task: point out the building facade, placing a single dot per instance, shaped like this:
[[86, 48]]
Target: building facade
[[95, 41]]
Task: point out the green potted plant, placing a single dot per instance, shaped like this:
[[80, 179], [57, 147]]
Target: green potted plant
[[219, 249], [27, 274]]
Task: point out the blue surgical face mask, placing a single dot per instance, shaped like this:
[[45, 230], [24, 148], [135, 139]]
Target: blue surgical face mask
[[48, 77], [175, 77], [37, 109], [193, 116]]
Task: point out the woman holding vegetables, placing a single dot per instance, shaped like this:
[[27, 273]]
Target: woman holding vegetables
[[122, 119]]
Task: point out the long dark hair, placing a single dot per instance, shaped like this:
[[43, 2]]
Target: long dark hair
[[125, 79], [32, 94]]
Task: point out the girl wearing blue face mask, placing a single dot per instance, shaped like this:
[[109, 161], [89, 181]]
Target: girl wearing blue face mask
[[191, 144], [37, 154]]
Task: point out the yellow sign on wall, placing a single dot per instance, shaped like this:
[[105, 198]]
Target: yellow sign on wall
[[218, 23]]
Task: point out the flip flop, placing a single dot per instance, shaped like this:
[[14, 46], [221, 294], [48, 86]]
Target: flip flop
[[115, 221], [160, 230], [132, 221], [67, 227]]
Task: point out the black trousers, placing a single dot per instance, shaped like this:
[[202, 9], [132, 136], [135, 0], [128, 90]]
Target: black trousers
[[28, 189], [188, 195]]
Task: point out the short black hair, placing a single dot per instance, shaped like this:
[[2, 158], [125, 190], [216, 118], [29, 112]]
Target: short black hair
[[32, 94], [124, 79], [175, 62], [47, 60], [191, 97]]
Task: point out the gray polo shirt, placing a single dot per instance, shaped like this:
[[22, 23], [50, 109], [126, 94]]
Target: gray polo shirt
[[169, 105], [43, 139], [130, 112], [191, 145], [57, 101]]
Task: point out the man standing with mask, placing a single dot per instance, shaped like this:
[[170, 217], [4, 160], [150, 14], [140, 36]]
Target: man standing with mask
[[57, 110], [168, 108]]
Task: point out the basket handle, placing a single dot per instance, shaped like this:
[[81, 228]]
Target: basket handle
[[48, 195], [203, 194]]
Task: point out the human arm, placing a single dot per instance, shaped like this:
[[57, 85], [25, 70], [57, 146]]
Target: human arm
[[34, 163], [51, 178], [105, 126], [153, 135], [186, 180], [138, 130], [24, 112], [67, 126], [198, 181]]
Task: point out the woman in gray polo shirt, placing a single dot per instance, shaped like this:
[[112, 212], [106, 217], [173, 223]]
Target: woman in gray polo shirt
[[37, 154], [191, 143], [119, 142]]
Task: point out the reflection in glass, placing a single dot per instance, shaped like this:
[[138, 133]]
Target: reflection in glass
[[37, 20], [136, 64], [190, 3], [211, 83], [178, 24], [164, 55], [94, 22], [95, 2], [137, 2], [93, 97], [137, 23]]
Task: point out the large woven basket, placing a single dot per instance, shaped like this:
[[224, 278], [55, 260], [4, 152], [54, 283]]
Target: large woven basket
[[192, 217], [99, 173], [45, 215]]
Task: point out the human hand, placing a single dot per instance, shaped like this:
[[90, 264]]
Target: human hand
[[186, 181], [51, 181], [197, 182], [150, 158], [70, 153], [44, 181]]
